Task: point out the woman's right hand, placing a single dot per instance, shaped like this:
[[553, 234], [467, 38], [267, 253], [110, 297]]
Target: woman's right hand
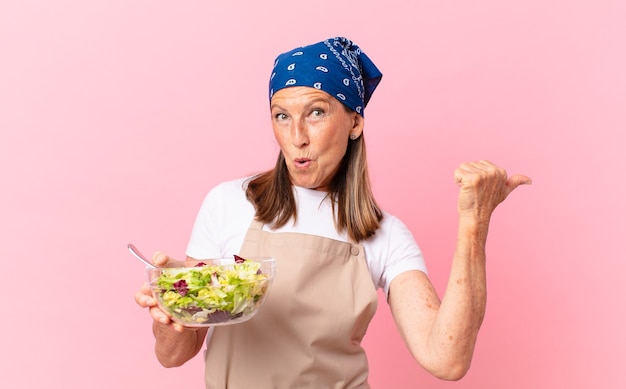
[[175, 344], [144, 298]]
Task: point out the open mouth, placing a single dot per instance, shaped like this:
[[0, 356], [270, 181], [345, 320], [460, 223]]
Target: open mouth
[[302, 162]]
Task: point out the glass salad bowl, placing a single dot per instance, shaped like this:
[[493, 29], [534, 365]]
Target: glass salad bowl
[[212, 292]]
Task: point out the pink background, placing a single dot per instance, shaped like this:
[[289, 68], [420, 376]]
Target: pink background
[[116, 118]]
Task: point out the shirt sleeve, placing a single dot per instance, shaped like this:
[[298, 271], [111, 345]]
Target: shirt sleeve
[[222, 222], [403, 253], [204, 240]]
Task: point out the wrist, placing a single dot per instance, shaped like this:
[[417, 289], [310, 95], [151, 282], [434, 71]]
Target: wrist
[[472, 232], [473, 222]]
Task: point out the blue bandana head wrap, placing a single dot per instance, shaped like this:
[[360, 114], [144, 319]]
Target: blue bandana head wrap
[[337, 66]]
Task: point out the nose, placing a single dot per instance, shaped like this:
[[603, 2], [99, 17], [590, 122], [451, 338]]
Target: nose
[[299, 134]]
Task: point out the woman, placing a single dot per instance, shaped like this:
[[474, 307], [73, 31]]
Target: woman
[[315, 213]]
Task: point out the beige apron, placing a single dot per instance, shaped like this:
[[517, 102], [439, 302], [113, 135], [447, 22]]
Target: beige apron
[[308, 333]]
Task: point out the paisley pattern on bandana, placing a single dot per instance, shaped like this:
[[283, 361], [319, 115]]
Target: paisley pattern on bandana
[[336, 65]]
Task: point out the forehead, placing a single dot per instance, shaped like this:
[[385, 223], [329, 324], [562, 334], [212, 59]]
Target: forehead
[[301, 95]]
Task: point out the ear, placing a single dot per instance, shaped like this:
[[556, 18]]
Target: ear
[[357, 126]]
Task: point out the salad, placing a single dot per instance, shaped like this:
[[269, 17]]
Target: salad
[[211, 293]]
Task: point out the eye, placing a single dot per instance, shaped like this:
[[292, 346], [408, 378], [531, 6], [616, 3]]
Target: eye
[[317, 113], [280, 116]]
